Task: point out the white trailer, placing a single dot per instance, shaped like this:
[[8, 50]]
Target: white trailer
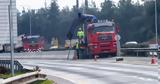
[[4, 23]]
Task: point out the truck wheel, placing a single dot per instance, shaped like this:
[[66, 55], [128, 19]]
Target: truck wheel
[[89, 54], [114, 54]]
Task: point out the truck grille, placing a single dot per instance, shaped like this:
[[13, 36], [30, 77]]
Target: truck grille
[[104, 37], [33, 46]]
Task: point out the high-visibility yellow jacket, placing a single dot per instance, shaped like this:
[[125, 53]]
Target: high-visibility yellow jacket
[[77, 45], [80, 34]]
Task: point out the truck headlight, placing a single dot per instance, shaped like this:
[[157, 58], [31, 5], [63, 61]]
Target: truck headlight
[[94, 46]]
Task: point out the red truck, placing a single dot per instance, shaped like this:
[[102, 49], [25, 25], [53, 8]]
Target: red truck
[[32, 43], [100, 36]]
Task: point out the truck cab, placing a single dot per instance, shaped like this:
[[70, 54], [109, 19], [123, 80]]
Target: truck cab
[[101, 38], [33, 43]]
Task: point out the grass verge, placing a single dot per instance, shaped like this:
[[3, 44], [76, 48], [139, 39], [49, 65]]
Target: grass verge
[[8, 74], [43, 82]]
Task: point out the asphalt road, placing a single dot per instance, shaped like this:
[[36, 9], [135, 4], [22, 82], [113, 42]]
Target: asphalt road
[[133, 70], [99, 72], [53, 55]]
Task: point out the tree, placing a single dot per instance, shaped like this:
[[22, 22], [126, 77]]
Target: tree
[[136, 20], [126, 18], [107, 11], [92, 9], [53, 14]]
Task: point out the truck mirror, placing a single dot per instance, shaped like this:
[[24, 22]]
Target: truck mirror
[[90, 29], [117, 29]]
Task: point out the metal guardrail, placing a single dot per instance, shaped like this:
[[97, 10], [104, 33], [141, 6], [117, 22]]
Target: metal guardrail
[[139, 49], [7, 64], [122, 49], [25, 78], [58, 49]]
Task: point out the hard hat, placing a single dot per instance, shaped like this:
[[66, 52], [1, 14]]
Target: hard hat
[[80, 28]]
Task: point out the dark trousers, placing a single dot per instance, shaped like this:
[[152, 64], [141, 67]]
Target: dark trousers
[[77, 51]]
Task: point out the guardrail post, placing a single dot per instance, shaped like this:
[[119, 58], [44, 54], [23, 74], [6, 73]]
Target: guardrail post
[[7, 64], [137, 54]]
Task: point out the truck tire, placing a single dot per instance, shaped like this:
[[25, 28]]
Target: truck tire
[[20, 49], [89, 54]]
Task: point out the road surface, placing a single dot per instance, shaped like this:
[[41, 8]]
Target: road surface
[[99, 72], [40, 55]]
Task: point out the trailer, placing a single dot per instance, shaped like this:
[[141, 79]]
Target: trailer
[[4, 24]]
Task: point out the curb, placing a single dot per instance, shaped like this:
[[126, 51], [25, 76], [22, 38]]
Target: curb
[[58, 80]]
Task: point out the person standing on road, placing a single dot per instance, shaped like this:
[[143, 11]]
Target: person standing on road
[[80, 35]]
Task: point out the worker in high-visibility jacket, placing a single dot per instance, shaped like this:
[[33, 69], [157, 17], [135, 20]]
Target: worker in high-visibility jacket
[[80, 35]]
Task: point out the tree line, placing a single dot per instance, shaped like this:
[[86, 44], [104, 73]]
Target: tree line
[[136, 21]]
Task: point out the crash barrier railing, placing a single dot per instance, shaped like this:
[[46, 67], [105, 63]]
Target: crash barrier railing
[[122, 49], [25, 78], [58, 49], [7, 64], [139, 49]]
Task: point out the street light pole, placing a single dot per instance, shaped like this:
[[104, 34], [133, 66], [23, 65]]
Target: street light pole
[[11, 36], [30, 23], [45, 4], [77, 4], [156, 23]]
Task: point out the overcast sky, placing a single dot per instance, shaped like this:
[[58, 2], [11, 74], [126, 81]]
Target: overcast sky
[[36, 4]]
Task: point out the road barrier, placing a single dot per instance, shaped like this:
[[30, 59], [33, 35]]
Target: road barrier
[[51, 55], [25, 78], [58, 49], [138, 51], [7, 64]]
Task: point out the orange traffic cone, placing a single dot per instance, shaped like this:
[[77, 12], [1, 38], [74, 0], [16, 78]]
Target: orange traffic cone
[[153, 60], [95, 57]]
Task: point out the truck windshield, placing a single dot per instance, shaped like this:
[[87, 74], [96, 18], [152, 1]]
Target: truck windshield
[[103, 29], [31, 40]]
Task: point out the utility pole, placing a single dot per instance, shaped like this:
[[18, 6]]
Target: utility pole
[[11, 36], [30, 23], [156, 23], [86, 6], [77, 4], [85, 10], [45, 4]]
